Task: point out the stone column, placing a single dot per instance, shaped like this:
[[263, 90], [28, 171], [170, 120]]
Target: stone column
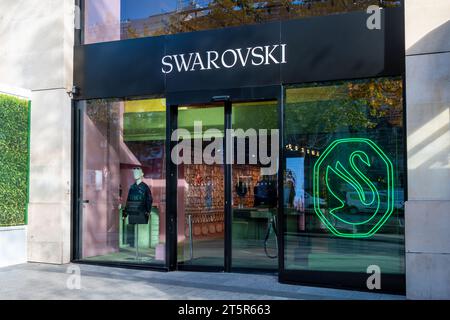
[[428, 142], [36, 53]]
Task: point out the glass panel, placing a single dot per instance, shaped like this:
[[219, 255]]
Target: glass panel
[[123, 181], [345, 177], [102, 21], [201, 203], [109, 20], [255, 186]]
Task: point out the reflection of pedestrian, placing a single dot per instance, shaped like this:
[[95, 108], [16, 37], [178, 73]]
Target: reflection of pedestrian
[[289, 189], [299, 204]]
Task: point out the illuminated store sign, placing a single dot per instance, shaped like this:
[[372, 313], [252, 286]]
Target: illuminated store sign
[[345, 172], [230, 58]]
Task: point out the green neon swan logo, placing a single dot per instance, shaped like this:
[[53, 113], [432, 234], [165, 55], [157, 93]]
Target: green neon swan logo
[[329, 172], [345, 175]]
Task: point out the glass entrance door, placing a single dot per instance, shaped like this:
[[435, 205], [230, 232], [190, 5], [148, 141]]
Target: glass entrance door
[[254, 185], [227, 210], [201, 185]]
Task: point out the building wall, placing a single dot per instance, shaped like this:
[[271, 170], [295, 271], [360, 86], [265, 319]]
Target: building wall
[[36, 53], [428, 123]]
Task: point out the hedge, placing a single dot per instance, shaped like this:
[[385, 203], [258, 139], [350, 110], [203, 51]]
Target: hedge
[[14, 155]]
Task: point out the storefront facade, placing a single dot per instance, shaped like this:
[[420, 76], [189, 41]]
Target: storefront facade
[[86, 140], [327, 91]]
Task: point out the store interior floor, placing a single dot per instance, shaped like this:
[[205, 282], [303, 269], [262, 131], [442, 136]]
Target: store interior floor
[[301, 254]]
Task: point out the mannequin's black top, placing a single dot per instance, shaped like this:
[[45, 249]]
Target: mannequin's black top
[[139, 200]]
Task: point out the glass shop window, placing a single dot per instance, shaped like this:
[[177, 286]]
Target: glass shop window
[[123, 181], [344, 176]]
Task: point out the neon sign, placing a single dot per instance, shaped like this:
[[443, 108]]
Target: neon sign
[[375, 206]]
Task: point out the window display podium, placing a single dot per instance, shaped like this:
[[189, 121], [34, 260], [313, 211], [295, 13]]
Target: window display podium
[[143, 237]]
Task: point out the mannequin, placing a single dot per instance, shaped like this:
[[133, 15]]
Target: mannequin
[[139, 205], [138, 175], [139, 201], [241, 188]]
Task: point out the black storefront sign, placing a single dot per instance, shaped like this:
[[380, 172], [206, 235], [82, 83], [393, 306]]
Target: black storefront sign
[[296, 51]]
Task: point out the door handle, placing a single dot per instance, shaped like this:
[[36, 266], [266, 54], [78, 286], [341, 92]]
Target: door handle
[[221, 98]]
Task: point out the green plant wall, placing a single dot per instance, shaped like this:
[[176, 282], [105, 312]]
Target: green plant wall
[[14, 160]]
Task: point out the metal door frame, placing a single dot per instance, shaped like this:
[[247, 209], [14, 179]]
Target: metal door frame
[[227, 97]]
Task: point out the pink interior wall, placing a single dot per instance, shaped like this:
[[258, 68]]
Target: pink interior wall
[[100, 214]]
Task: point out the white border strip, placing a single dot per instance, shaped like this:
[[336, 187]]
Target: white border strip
[[14, 91]]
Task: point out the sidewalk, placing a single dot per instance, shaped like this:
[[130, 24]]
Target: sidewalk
[[38, 281]]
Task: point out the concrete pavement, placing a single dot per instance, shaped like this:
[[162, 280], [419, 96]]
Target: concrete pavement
[[39, 281]]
